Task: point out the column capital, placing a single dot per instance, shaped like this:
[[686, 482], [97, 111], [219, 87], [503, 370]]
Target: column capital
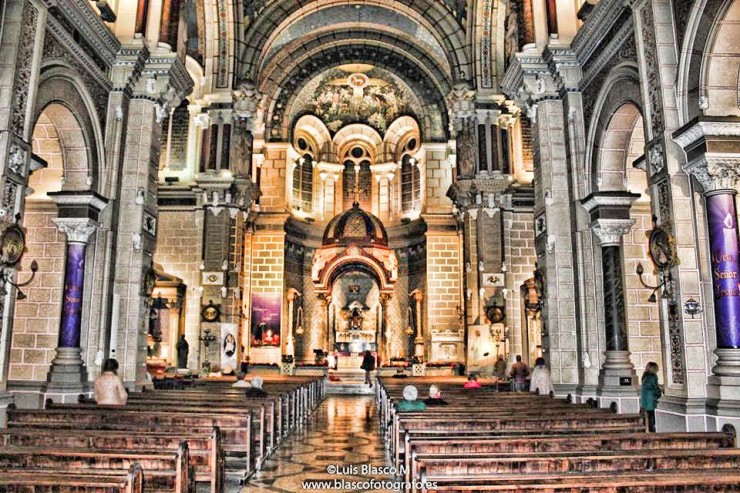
[[461, 101], [78, 230], [610, 231], [418, 295], [292, 294], [712, 148]]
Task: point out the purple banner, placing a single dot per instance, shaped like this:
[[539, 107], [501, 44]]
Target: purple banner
[[74, 281], [723, 243], [265, 329]]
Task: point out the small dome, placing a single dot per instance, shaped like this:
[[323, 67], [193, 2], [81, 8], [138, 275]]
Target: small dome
[[355, 226]]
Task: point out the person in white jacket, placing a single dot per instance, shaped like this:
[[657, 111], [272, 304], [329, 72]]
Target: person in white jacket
[[541, 381]]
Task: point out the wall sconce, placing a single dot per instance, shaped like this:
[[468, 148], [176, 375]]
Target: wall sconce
[[503, 266], [299, 322], [691, 307], [664, 279], [6, 277], [139, 200], [224, 291], [200, 290], [202, 265], [225, 265]]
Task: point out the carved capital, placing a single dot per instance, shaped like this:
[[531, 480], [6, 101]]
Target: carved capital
[[715, 171], [461, 101], [417, 295], [610, 231], [78, 230]]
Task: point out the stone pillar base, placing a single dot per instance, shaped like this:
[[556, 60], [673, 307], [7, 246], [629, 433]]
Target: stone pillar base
[[67, 374], [6, 399], [616, 371], [680, 414]]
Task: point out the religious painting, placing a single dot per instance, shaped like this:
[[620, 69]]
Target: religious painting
[[265, 329], [228, 346]]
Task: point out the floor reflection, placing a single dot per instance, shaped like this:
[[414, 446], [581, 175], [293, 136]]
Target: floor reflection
[[343, 434]]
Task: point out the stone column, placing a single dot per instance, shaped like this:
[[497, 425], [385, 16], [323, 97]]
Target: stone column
[[713, 158], [383, 337], [78, 220], [610, 220], [289, 343]]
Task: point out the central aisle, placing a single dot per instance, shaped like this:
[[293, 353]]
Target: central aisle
[[343, 433]]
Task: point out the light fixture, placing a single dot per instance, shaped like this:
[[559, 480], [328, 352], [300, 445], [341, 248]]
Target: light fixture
[[299, 322], [664, 276], [202, 265], [691, 307], [224, 291], [225, 265], [6, 277], [409, 322]]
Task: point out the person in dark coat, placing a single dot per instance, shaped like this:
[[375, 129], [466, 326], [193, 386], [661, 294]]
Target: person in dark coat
[[183, 348], [650, 393], [368, 364]]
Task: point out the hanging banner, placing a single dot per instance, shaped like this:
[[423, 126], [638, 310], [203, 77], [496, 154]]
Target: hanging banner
[[265, 329], [723, 238]]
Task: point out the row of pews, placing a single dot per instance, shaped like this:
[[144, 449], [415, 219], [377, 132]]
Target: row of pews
[[504, 441], [170, 441]]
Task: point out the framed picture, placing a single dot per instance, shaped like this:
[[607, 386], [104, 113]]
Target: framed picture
[[265, 320]]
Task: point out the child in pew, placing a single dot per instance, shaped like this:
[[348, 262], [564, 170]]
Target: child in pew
[[255, 389], [109, 389], [541, 382], [435, 397], [472, 383], [409, 402]]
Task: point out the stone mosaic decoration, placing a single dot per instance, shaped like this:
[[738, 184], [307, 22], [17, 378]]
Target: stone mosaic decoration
[[222, 71]]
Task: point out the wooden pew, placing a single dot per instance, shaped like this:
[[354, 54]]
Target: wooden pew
[[451, 445], [235, 430], [205, 452], [165, 471], [79, 481]]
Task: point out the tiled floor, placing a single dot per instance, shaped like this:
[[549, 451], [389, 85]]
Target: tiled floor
[[343, 433]]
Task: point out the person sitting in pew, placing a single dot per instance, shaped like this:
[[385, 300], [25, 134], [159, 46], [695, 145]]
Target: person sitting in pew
[[242, 382], [472, 383], [541, 381], [409, 402], [109, 389], [435, 397], [255, 390]]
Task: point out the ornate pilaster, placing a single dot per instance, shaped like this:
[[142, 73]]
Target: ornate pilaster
[[610, 221]]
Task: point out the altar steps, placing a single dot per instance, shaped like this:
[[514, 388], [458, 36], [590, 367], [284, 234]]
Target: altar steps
[[349, 382]]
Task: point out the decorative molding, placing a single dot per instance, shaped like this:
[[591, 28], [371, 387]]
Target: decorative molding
[[78, 230], [222, 51], [485, 45], [715, 171], [23, 64], [698, 129]]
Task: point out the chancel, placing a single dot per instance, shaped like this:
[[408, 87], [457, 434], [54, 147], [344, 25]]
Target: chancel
[[280, 224]]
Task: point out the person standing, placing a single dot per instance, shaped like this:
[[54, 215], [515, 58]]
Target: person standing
[[650, 393], [368, 364], [541, 382], [109, 389], [519, 373], [183, 348], [499, 369]]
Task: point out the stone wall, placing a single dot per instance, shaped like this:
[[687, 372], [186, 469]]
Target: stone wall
[[179, 252]]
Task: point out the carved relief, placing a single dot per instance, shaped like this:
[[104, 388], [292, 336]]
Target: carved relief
[[650, 50], [23, 65]]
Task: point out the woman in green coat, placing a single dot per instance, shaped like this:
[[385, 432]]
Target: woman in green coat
[[650, 393]]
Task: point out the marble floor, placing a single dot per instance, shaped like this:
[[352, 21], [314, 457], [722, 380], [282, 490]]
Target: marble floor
[[339, 446]]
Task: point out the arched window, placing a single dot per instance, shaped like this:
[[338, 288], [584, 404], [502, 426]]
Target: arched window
[[303, 184], [410, 184]]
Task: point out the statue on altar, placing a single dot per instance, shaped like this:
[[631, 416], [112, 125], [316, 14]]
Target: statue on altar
[[355, 319]]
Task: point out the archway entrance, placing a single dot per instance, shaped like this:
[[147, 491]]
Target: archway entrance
[[356, 318]]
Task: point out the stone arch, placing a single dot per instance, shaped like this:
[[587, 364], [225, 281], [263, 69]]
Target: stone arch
[[280, 14], [313, 130], [705, 40], [398, 134], [622, 87], [354, 134], [61, 89]]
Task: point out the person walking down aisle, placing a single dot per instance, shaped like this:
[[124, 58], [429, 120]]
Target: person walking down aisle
[[368, 364], [650, 393], [519, 373]]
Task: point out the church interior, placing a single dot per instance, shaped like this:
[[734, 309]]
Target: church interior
[[342, 199]]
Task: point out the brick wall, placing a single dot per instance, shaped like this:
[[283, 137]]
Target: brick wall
[[436, 179], [273, 179], [442, 296], [36, 320]]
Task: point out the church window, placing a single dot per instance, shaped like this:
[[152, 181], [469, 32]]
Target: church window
[[410, 184], [303, 184]]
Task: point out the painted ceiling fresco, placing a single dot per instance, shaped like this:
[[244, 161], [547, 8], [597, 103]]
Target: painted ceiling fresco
[[357, 94]]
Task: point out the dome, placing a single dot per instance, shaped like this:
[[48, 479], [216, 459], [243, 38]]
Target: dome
[[355, 226]]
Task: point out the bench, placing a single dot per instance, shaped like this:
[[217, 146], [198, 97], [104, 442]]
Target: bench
[[79, 481]]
